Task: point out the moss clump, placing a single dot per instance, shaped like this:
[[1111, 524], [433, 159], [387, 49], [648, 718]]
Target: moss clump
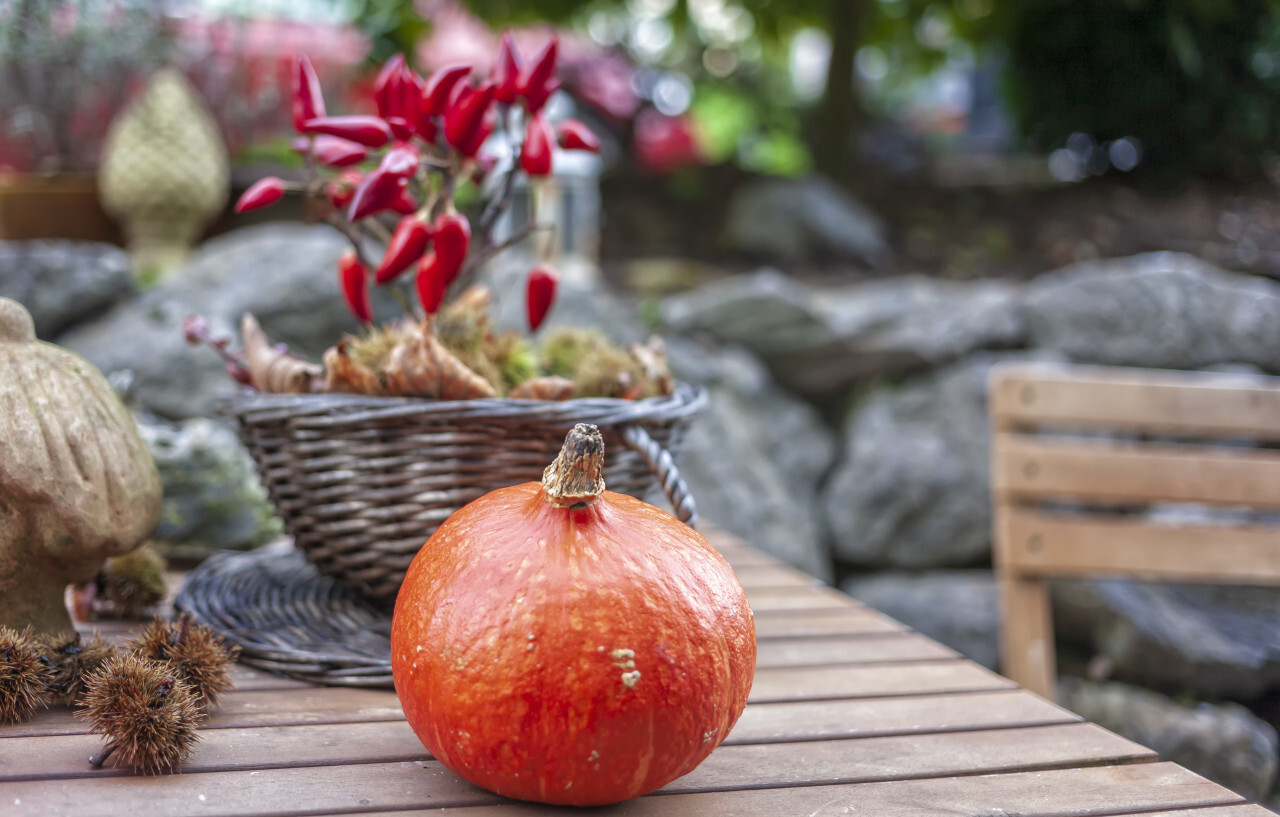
[[514, 357], [372, 350], [596, 366], [134, 581]]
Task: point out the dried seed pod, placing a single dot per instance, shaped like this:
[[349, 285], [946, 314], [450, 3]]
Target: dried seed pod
[[196, 654], [146, 712], [24, 675], [134, 581], [71, 660]]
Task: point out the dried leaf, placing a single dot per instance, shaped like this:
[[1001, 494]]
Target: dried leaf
[[422, 367], [652, 357], [550, 387], [272, 370], [474, 302], [343, 373]]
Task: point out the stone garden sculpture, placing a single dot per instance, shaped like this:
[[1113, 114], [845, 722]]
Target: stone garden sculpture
[[77, 484]]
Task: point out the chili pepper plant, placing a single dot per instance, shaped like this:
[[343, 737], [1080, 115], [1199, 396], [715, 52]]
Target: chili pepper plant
[[391, 179]]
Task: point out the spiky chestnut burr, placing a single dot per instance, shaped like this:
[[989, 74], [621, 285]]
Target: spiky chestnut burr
[[148, 715], [198, 655], [71, 660], [24, 675]]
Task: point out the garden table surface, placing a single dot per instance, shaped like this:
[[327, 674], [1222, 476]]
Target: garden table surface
[[851, 713]]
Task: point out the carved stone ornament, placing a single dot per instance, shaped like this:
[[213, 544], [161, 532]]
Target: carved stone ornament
[[77, 484]]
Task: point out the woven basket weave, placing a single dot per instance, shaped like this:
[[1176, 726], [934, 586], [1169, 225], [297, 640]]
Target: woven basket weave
[[361, 482]]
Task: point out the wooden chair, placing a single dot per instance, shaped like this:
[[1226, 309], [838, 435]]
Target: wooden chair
[[1079, 453]]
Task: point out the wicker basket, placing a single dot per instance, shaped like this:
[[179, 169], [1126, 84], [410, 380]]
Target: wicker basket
[[361, 482]]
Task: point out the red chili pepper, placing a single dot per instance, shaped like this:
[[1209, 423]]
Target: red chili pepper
[[407, 245], [369, 131], [354, 278], [540, 81], [400, 128], [332, 151], [431, 284], [573, 135], [540, 294], [308, 100], [405, 205], [386, 87], [452, 241], [464, 123], [341, 190], [401, 160], [379, 191], [436, 91], [535, 157], [265, 191], [506, 70]]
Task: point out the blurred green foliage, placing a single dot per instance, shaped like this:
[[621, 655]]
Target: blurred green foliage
[[392, 26], [1197, 81]]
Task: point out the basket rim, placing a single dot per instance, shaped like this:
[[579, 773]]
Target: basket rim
[[250, 407]]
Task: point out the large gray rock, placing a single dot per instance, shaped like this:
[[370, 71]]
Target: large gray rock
[[212, 497], [61, 282], [1211, 640], [755, 457], [911, 489], [1164, 310], [798, 220], [285, 274], [956, 607], [1225, 743], [822, 340]]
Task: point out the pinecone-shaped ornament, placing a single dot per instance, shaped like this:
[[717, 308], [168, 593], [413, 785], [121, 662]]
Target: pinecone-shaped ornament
[[164, 172]]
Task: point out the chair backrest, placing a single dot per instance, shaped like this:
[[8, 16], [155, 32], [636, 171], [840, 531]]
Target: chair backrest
[[1088, 460]]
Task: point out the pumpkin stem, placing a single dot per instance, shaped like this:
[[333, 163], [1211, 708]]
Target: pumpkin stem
[[576, 479]]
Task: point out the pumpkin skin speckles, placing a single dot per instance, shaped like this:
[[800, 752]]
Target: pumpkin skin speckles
[[574, 657]]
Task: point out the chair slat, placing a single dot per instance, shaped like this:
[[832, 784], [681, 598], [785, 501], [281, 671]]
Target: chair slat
[[1191, 403], [1033, 468], [1043, 544]]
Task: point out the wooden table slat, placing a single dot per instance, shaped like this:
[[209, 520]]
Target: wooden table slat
[[874, 717], [806, 623], [815, 597], [755, 577], [252, 703], [238, 708], [850, 649], [1094, 792], [1102, 790], [862, 681], [336, 750]]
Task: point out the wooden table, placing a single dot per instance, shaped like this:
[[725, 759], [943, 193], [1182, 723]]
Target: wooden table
[[851, 713]]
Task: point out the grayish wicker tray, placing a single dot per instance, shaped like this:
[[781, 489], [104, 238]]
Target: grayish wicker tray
[[361, 482], [289, 619]]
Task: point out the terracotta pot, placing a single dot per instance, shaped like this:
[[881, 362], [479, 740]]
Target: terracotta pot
[[61, 205]]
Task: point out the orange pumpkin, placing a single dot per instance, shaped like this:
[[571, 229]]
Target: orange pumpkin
[[561, 643]]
